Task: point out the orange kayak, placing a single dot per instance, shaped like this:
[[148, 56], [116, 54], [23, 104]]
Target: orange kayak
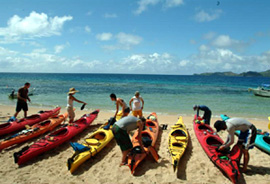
[[33, 131], [149, 138]]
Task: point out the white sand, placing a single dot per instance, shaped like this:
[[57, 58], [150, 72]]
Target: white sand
[[195, 166]]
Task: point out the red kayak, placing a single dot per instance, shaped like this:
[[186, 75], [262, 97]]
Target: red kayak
[[18, 125], [54, 139], [227, 161]]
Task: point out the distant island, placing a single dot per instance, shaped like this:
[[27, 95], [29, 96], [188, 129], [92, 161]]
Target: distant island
[[244, 74]]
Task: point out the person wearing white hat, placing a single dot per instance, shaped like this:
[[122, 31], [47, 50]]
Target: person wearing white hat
[[70, 99]]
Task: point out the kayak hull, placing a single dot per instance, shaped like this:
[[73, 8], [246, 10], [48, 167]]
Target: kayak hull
[[151, 131], [210, 141], [54, 139], [178, 142], [33, 131], [15, 126]]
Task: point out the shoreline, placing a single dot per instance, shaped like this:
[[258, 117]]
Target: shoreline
[[195, 167]]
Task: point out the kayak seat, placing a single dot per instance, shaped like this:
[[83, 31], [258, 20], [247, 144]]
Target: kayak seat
[[5, 125], [149, 123], [44, 123], [35, 116], [100, 136], [266, 139], [147, 141], [91, 141], [179, 135], [176, 144], [61, 131], [212, 141]]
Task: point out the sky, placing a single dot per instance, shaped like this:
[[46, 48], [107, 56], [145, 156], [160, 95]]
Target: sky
[[179, 37]]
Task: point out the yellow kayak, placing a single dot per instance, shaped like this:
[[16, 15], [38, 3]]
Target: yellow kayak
[[95, 142], [178, 141]]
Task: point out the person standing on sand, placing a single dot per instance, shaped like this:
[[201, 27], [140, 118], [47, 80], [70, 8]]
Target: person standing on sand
[[122, 103], [22, 101], [70, 99], [207, 112], [120, 131], [137, 104], [247, 135]]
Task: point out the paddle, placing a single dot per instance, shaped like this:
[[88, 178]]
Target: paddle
[[82, 107]]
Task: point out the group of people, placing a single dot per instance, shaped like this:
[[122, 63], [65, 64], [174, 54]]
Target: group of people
[[127, 123]]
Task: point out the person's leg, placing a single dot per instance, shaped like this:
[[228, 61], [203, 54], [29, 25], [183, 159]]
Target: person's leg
[[16, 114], [246, 159], [140, 113], [134, 113], [71, 114], [124, 157], [25, 114]]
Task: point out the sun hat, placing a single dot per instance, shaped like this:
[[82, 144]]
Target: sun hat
[[220, 125], [72, 91], [137, 93]]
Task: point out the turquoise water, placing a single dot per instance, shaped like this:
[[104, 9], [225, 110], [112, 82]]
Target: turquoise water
[[167, 94]]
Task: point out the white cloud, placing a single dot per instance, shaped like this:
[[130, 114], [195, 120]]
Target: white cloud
[[144, 4], [112, 15], [203, 16], [123, 40], [87, 29], [209, 36], [104, 36], [34, 25], [128, 39], [204, 48], [173, 3]]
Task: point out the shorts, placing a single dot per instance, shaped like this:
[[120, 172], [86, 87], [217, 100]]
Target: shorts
[[248, 137], [21, 105], [127, 110], [137, 113], [122, 138], [71, 114]]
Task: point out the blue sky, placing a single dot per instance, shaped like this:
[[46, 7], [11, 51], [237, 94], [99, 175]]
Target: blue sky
[[134, 36]]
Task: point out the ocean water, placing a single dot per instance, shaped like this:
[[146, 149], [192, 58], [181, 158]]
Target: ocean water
[[164, 94]]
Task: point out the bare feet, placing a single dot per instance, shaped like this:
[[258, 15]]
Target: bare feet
[[122, 163]]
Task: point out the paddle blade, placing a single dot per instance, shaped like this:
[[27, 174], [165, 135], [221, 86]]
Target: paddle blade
[[153, 153], [82, 107]]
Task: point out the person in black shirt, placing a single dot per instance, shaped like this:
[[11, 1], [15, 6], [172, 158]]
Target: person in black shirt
[[22, 100]]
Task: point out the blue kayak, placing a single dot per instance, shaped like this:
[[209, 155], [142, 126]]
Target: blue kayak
[[262, 141]]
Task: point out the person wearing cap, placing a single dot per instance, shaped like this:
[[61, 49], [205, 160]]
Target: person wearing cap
[[120, 102], [70, 99], [137, 104], [247, 135], [121, 131], [207, 112]]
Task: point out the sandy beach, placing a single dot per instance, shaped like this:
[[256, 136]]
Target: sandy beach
[[195, 166]]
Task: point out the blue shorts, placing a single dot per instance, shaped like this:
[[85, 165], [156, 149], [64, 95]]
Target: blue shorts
[[248, 137]]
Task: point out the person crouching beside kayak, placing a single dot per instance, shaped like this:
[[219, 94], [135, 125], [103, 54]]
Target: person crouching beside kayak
[[121, 131], [207, 113], [70, 99], [247, 135], [122, 103]]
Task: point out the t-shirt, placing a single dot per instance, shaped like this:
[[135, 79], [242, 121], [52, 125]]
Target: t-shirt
[[23, 93], [127, 123], [136, 103], [234, 124]]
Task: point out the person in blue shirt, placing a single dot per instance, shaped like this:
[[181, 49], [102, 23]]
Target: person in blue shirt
[[207, 112]]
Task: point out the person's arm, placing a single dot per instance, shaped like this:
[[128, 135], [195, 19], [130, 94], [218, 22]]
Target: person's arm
[[117, 108], [131, 100], [142, 102], [75, 99], [140, 126], [230, 140]]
